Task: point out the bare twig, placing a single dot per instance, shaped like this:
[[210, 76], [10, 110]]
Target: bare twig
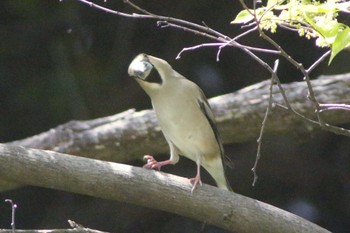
[[318, 61], [263, 125], [148, 15], [164, 21], [13, 214], [198, 47], [107, 10], [328, 107]]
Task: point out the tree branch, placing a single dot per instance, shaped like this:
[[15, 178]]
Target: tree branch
[[128, 135], [147, 188]]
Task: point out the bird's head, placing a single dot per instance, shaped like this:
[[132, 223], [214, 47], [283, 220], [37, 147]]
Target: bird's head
[[146, 68], [140, 67]]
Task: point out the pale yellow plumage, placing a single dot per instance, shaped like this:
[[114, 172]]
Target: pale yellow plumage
[[184, 116]]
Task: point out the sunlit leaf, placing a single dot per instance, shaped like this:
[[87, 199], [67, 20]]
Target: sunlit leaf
[[243, 17], [331, 33], [341, 41]]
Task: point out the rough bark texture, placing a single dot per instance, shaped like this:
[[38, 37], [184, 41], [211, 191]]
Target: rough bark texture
[[148, 188], [129, 135]]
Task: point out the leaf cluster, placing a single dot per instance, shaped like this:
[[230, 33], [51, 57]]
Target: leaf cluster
[[309, 18]]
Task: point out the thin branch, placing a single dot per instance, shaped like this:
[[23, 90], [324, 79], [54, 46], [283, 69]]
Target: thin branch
[[263, 125], [197, 29], [318, 61], [170, 20], [107, 10], [197, 47], [289, 106], [13, 214], [245, 33], [164, 24], [150, 15], [327, 107]]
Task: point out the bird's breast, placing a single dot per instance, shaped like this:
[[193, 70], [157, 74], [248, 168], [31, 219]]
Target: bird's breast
[[183, 122]]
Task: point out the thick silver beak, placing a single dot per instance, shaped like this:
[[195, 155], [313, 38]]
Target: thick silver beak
[[140, 69]]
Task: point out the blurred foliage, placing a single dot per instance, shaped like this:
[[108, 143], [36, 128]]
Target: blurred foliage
[[61, 60], [308, 18]]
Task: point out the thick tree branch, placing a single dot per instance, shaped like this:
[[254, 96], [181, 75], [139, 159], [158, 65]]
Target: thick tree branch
[[147, 188], [129, 135]]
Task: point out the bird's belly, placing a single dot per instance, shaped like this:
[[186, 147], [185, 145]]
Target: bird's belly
[[193, 139]]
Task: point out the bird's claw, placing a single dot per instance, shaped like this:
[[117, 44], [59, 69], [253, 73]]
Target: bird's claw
[[148, 159], [152, 163], [194, 181]]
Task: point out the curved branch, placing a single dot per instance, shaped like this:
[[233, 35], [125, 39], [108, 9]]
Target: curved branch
[[147, 188], [149, 15]]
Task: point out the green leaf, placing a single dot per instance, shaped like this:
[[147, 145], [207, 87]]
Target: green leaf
[[329, 31], [341, 41], [246, 16], [243, 17]]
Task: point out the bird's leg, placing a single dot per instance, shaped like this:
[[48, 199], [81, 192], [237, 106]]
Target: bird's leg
[[154, 164], [197, 179]]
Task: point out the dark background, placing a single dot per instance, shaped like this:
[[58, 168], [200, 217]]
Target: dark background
[[61, 60]]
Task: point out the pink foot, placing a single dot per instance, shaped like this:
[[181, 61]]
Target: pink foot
[[194, 181], [154, 164]]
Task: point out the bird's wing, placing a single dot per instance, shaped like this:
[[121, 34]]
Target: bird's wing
[[205, 108]]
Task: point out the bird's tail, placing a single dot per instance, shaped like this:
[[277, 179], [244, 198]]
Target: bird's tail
[[216, 169]]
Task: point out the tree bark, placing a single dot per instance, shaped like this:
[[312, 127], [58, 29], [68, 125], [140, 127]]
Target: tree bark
[[129, 135], [147, 188]]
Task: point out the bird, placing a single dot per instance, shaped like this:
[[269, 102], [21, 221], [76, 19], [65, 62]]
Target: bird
[[184, 116]]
